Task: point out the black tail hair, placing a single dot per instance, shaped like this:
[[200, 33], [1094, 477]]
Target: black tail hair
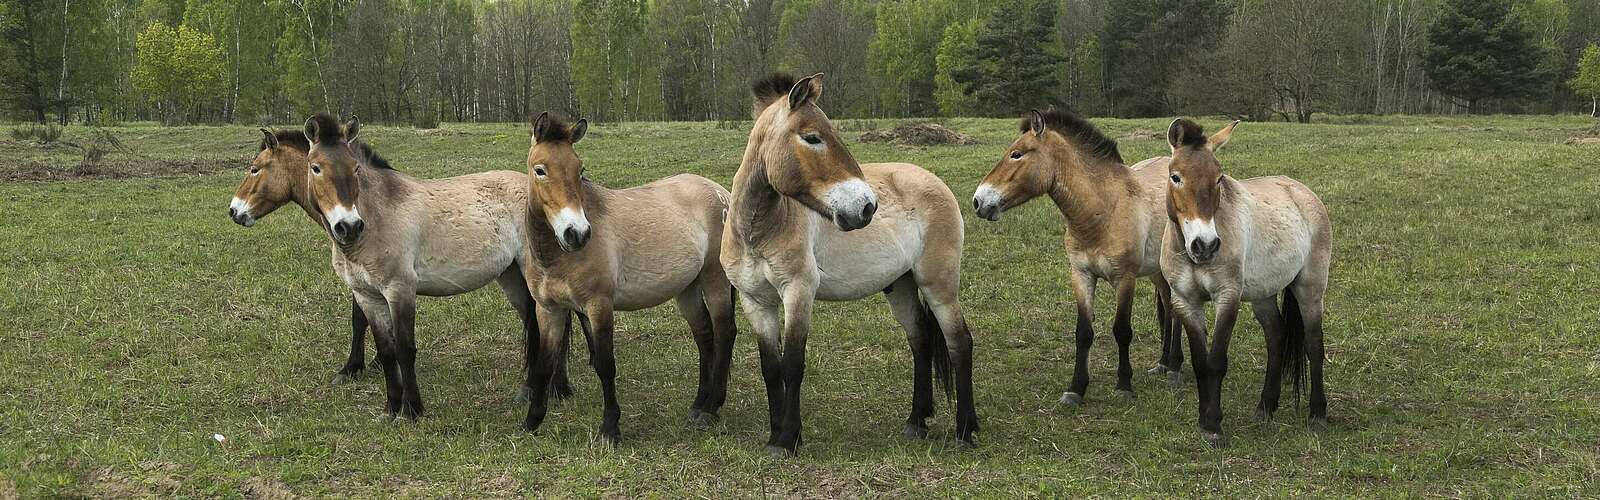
[[1294, 341], [933, 344]]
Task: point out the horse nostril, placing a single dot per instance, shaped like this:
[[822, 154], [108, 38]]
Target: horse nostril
[[341, 228], [356, 227], [1214, 245], [571, 235], [1197, 248], [867, 211]]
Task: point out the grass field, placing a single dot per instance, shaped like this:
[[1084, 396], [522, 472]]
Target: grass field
[[137, 320]]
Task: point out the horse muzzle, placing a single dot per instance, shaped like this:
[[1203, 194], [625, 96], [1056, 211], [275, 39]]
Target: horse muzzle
[[348, 231], [1203, 251], [986, 201], [239, 211]]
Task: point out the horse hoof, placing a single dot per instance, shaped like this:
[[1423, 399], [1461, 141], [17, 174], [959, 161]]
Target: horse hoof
[[1158, 370], [1175, 378], [384, 418], [779, 452], [1127, 395], [612, 439], [1263, 415], [701, 419], [524, 394], [1213, 439], [966, 444], [1319, 424], [1071, 399], [914, 432], [345, 377]]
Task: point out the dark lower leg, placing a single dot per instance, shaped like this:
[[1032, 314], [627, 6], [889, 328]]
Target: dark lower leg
[[921, 383], [358, 331], [794, 371], [1085, 339], [961, 363], [605, 366], [1122, 331], [1272, 387], [772, 375], [1314, 351]]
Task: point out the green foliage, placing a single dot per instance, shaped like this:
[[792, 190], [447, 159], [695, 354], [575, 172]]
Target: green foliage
[[958, 49], [1478, 50], [1587, 80], [179, 68], [1148, 42], [1017, 59], [611, 59]]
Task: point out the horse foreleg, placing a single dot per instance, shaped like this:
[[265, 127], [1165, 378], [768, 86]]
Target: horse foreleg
[[605, 367], [403, 314], [358, 356], [1217, 365], [1083, 285], [541, 360], [764, 320], [1272, 326], [797, 302]]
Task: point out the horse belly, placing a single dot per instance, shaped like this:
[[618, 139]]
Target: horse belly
[[465, 262], [649, 280], [1274, 261], [865, 261]]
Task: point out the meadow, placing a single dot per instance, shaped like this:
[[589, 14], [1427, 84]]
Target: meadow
[[137, 322]]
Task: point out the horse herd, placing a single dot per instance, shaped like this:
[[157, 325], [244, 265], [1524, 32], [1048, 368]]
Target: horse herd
[[803, 222]]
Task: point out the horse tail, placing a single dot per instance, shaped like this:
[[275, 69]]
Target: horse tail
[[934, 345], [1294, 341]]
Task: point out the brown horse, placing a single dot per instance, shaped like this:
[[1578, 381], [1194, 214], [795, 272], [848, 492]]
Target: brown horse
[[1115, 218], [808, 223], [396, 237], [278, 176], [1230, 241], [597, 250]]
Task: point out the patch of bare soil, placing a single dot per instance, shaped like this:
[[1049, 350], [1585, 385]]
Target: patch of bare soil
[[1583, 141], [33, 170], [1139, 135], [257, 488], [918, 134]]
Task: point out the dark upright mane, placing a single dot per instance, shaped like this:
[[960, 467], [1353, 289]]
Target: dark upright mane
[[1080, 131], [771, 88], [373, 160], [292, 138], [329, 130], [560, 129]]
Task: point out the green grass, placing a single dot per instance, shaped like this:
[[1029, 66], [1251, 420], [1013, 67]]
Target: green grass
[[136, 320]]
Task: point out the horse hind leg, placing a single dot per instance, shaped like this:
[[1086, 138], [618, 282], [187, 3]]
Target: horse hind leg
[[692, 306], [942, 300], [718, 295], [1305, 298], [922, 333]]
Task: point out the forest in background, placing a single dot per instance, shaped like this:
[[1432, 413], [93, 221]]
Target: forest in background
[[425, 61]]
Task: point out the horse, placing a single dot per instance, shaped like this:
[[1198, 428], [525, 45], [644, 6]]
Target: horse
[[278, 176], [1229, 241], [396, 237], [807, 222], [597, 250], [1115, 216]]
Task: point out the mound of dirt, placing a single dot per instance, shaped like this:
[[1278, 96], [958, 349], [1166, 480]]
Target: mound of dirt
[[917, 134], [1583, 141], [1139, 135]]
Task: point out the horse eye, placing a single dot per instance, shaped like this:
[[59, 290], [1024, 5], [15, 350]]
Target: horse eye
[[254, 170], [1176, 180], [812, 139], [1016, 155], [539, 171], [316, 169]]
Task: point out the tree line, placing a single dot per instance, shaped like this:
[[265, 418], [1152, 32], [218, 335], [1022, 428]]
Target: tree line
[[426, 61]]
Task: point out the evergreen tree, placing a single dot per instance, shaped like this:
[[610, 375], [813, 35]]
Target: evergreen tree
[[1017, 57], [1478, 50], [1587, 81]]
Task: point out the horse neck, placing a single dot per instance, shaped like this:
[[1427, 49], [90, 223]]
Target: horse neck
[[757, 207], [1086, 191]]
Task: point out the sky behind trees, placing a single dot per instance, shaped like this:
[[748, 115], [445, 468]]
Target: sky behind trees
[[426, 61]]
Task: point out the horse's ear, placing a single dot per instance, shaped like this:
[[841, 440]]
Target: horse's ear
[[1183, 132], [311, 130], [1221, 137], [351, 128], [578, 129], [1036, 123], [808, 89], [268, 141], [540, 125]]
